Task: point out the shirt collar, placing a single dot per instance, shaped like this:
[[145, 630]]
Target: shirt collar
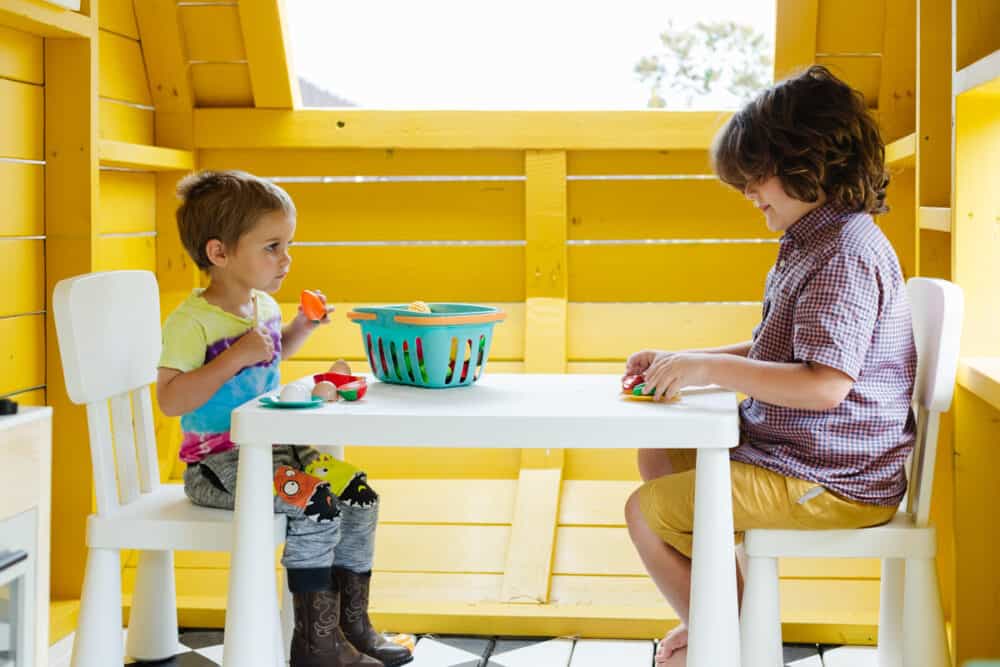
[[809, 225]]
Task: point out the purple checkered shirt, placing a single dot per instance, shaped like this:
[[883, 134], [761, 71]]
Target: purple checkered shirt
[[836, 297]]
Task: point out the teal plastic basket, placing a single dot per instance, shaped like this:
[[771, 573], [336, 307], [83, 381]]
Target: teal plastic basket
[[447, 347]]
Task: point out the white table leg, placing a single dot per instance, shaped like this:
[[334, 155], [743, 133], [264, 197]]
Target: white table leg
[[713, 635], [251, 609]]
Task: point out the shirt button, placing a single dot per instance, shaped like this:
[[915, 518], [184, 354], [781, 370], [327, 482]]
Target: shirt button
[[782, 264]]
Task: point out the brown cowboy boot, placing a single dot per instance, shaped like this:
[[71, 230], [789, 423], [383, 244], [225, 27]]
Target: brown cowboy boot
[[356, 624], [318, 640]]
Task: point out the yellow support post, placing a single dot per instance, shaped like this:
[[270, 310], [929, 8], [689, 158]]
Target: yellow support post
[[266, 39], [795, 36]]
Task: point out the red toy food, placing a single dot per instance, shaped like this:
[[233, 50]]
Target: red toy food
[[350, 387], [629, 382], [312, 305]]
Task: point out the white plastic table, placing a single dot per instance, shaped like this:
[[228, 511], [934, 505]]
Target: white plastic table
[[508, 411]]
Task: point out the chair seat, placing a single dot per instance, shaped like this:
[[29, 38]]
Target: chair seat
[[900, 538], [167, 520]]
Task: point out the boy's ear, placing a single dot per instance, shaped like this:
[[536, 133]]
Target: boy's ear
[[216, 252]]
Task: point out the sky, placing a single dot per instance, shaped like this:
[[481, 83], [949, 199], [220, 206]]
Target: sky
[[515, 54]]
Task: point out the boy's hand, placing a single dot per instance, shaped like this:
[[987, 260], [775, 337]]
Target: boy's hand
[[669, 373], [640, 361], [254, 347], [309, 324]]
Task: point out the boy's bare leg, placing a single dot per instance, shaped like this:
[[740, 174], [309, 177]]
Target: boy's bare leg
[[653, 463]]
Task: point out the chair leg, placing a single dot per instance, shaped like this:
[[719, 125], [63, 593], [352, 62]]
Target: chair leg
[[760, 618], [287, 620], [890, 614], [924, 640], [98, 641], [152, 625]]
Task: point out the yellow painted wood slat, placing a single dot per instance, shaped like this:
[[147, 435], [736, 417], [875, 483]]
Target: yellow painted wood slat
[[934, 76], [483, 501], [597, 331], [850, 26], [669, 272], [342, 339], [597, 163], [21, 56], [212, 32], [22, 188], [118, 16], [407, 548], [63, 618], [935, 218], [862, 73], [897, 101], [166, 62], [126, 122], [935, 254], [22, 365], [981, 78], [795, 36], [135, 252], [149, 158], [127, 202], [44, 20], [678, 209], [975, 30], [22, 270], [484, 210], [366, 162], [22, 129], [34, 397], [529, 557], [221, 84], [408, 273], [900, 223], [268, 47], [463, 130], [902, 152], [123, 73]]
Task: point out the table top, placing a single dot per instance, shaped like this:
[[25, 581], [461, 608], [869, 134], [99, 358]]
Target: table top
[[501, 410]]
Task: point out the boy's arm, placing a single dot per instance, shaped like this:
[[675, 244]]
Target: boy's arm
[[294, 334], [739, 349]]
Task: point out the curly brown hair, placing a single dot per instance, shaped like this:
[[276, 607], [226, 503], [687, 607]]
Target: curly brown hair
[[224, 205], [812, 131]]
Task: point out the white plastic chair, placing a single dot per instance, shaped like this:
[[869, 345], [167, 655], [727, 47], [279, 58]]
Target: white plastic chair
[[910, 634], [108, 326]]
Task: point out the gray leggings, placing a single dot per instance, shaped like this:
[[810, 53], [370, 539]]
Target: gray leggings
[[323, 530]]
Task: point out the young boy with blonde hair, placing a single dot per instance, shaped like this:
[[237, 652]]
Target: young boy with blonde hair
[[221, 348], [829, 371]]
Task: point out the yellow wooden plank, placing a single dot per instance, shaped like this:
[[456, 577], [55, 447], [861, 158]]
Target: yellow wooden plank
[[795, 36], [22, 188], [118, 16], [902, 152], [936, 218], [31, 397], [63, 618], [343, 339], [150, 158], [44, 19], [362, 162], [22, 270], [408, 273], [981, 78], [166, 62], [123, 73], [484, 501], [22, 129], [850, 26], [483, 210], [933, 117], [667, 326], [221, 84], [128, 252], [463, 130], [981, 376], [212, 32], [900, 223], [897, 90], [126, 122], [402, 586], [22, 365], [21, 56], [532, 536], [862, 73], [127, 202], [410, 548], [935, 254], [975, 30], [266, 34], [669, 272], [597, 163], [661, 209]]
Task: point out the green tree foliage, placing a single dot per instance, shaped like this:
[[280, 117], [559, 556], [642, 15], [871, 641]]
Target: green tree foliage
[[722, 62]]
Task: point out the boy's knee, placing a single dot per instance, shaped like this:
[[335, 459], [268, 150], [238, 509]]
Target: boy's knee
[[348, 483]]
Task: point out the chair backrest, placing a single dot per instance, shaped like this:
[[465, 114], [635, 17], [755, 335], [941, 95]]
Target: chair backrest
[[108, 327], [936, 307]]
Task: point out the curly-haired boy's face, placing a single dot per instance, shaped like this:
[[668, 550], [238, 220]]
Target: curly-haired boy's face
[[780, 210]]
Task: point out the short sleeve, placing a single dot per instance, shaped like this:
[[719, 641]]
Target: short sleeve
[[836, 312], [184, 344]]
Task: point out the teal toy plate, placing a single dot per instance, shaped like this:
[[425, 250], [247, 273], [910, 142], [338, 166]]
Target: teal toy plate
[[270, 402]]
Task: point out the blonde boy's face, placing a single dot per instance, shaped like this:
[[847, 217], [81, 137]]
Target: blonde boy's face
[[261, 259], [780, 210]]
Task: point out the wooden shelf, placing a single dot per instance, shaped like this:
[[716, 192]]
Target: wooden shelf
[[935, 218], [902, 152], [981, 376], [44, 19], [150, 158], [980, 78]]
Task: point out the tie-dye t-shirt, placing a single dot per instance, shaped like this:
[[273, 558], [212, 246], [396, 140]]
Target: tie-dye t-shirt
[[195, 334]]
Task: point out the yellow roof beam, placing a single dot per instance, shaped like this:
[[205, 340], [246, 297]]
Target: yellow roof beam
[[795, 36], [45, 20], [163, 51], [265, 36]]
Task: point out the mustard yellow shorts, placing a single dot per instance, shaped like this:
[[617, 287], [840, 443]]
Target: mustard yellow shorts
[[761, 499]]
